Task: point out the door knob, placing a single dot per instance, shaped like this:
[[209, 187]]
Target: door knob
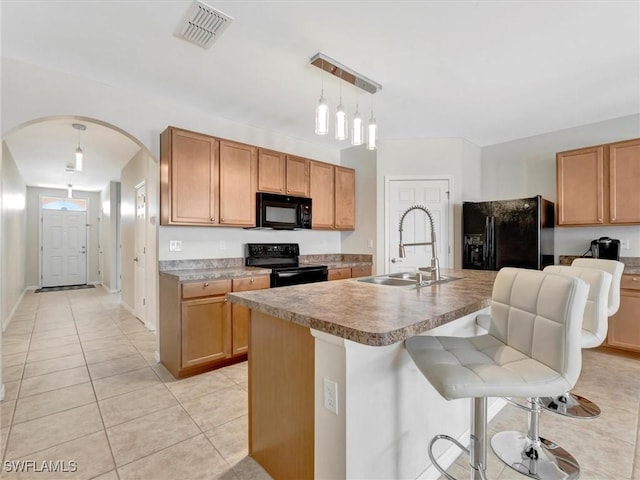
[[396, 260], [135, 259]]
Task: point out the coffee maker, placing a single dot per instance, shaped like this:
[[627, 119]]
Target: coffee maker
[[605, 247]]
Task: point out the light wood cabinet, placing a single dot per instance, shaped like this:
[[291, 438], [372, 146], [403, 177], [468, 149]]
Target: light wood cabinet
[[240, 314], [188, 178], [348, 272], [345, 198], [360, 271], [598, 185], [297, 181], [238, 174], [271, 171], [321, 189], [624, 326], [199, 329]]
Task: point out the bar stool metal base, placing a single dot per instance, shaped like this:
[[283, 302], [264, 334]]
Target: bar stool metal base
[[543, 460], [571, 405]]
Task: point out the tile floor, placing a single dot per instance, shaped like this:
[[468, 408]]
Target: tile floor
[[82, 384]]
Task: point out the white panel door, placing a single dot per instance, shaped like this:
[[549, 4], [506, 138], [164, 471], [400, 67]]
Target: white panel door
[[141, 252], [434, 196], [64, 248]]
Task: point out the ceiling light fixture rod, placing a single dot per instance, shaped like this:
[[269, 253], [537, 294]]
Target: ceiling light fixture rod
[[343, 72]]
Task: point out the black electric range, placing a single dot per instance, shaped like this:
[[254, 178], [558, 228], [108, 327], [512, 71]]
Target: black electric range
[[282, 259]]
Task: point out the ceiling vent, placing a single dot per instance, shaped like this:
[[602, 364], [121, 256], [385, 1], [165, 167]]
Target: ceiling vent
[[203, 25]]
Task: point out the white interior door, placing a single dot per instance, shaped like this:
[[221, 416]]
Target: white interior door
[[141, 250], [64, 248], [434, 196]]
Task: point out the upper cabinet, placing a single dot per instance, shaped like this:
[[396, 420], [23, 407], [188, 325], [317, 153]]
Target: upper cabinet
[[211, 181], [189, 168], [598, 185]]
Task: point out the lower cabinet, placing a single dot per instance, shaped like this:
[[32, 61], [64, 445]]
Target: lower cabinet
[[624, 326], [349, 272], [199, 329]]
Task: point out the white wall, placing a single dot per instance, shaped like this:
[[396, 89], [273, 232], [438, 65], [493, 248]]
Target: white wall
[[33, 231], [364, 162], [453, 157], [527, 167], [14, 232], [109, 237]]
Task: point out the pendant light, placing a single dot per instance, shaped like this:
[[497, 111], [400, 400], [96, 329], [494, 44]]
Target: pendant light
[[69, 191], [357, 128], [372, 131], [79, 152], [341, 118], [322, 112]]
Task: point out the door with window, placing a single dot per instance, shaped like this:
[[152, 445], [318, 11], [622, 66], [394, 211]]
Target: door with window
[[64, 242], [416, 228]]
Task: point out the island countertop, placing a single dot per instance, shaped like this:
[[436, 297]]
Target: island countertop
[[372, 314]]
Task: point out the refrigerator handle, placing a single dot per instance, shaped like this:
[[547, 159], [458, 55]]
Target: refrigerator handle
[[486, 254], [492, 245]]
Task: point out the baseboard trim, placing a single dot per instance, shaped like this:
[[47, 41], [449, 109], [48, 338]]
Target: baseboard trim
[[1, 392], [7, 321]]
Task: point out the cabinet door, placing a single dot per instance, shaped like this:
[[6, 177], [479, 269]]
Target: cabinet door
[[206, 331], [238, 165], [321, 189], [271, 171], [297, 176], [345, 198], [339, 274], [624, 182], [624, 326], [189, 178], [580, 186], [240, 314], [360, 271]]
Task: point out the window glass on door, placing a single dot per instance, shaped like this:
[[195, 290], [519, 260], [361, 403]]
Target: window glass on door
[[56, 203]]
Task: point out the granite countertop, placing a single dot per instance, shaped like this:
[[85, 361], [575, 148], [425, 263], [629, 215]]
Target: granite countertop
[[631, 264], [215, 273], [374, 314]]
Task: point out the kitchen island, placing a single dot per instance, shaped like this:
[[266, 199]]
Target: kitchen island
[[332, 391]]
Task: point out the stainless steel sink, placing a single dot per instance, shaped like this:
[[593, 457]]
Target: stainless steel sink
[[405, 279]]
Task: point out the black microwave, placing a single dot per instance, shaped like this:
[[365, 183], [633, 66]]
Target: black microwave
[[282, 212]]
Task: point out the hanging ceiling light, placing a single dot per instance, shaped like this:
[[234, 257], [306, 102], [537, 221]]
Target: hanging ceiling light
[[372, 131], [327, 64], [79, 152], [69, 191], [322, 113]]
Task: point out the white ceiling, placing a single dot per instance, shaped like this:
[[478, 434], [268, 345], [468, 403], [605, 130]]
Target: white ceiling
[[487, 71]]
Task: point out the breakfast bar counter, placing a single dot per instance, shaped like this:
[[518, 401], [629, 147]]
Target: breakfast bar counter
[[332, 391]]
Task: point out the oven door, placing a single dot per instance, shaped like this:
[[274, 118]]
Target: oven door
[[297, 277]]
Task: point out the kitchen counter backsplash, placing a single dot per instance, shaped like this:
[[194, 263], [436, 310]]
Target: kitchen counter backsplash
[[631, 264]]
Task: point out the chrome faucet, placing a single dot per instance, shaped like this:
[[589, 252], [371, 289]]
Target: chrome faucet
[[435, 264]]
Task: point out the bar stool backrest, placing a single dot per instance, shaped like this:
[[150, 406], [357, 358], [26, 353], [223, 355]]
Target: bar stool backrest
[[613, 267]]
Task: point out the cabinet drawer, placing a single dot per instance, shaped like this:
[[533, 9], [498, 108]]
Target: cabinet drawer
[[251, 283], [360, 271], [204, 289], [631, 282], [339, 273]]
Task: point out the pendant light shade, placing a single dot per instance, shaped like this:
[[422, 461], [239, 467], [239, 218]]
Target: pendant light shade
[[372, 133], [341, 123], [357, 129], [69, 191], [322, 117], [79, 155]]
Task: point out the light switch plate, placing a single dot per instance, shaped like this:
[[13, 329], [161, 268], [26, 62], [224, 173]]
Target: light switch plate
[[175, 245]]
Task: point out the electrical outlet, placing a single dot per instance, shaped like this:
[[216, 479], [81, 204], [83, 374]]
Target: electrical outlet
[[175, 245], [624, 244], [223, 245], [331, 396], [370, 244]]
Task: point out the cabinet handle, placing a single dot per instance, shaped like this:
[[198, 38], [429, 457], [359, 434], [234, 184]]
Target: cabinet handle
[[212, 219], [634, 279], [222, 220], [253, 280], [206, 284]]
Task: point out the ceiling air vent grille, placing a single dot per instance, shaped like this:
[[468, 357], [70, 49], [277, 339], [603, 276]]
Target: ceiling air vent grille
[[203, 25]]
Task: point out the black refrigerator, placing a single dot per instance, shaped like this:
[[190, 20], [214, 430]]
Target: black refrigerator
[[508, 233]]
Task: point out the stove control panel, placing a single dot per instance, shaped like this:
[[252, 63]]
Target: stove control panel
[[271, 250]]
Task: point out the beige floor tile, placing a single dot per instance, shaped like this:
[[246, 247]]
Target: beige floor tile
[[45, 432], [125, 383], [6, 412], [199, 385], [55, 352], [45, 326], [112, 475], [193, 459], [13, 359], [53, 401], [53, 381], [62, 332], [120, 409], [100, 334], [90, 455], [162, 372], [214, 409], [12, 348], [34, 369], [10, 374], [54, 342], [110, 353], [12, 338], [249, 468], [145, 435], [238, 373], [20, 328], [231, 439], [11, 390], [108, 342], [116, 366], [4, 433]]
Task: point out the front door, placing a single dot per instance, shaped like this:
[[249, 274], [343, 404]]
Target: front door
[[64, 248], [434, 196], [141, 252]]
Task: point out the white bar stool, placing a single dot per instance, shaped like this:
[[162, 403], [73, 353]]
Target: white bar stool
[[532, 349], [604, 297]]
